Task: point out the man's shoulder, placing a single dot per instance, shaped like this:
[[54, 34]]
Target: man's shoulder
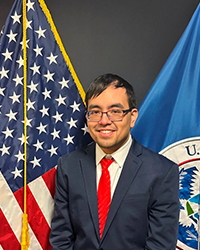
[[146, 154], [71, 162], [79, 153]]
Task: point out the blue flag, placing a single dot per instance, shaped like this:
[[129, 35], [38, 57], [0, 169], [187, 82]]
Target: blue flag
[[55, 122], [169, 123]]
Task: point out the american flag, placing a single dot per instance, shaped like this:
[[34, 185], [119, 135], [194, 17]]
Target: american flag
[[55, 122]]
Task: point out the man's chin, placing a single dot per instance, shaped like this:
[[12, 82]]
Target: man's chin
[[108, 148]]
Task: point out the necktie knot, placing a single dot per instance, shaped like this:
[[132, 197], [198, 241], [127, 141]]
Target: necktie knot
[[105, 163]]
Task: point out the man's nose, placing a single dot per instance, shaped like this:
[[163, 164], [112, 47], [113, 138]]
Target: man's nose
[[104, 119]]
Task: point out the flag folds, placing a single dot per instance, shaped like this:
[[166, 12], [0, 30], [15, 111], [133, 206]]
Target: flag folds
[[55, 121], [169, 123], [170, 111]]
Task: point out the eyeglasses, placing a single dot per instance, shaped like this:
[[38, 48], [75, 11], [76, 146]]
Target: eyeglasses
[[113, 115]]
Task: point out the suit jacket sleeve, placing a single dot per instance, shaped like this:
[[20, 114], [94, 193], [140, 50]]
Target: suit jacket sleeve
[[164, 213], [62, 235]]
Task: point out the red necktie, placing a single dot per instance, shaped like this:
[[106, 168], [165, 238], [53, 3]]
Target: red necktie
[[104, 193]]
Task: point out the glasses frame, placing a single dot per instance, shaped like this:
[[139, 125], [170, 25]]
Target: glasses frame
[[125, 111]]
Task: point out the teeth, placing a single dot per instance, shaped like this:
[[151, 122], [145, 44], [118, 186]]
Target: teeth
[[106, 131]]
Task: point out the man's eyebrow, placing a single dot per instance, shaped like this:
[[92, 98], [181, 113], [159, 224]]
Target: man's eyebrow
[[93, 106], [114, 105]]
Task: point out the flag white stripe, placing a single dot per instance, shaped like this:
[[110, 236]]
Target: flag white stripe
[[34, 243], [7, 201], [14, 215], [43, 198]]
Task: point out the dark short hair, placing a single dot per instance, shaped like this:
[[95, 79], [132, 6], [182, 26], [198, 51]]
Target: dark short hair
[[102, 82]]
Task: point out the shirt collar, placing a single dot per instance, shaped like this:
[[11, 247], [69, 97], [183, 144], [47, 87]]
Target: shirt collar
[[119, 155]]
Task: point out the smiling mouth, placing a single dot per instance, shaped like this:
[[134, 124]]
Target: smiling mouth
[[105, 131]]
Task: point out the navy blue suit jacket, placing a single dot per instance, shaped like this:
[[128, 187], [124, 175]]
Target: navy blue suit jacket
[[143, 213]]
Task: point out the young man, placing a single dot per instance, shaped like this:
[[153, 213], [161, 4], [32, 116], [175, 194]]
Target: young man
[[131, 204]]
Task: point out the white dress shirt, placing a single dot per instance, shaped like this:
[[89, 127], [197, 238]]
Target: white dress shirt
[[116, 167]]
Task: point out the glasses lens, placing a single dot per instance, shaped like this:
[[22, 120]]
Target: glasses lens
[[94, 115], [115, 114]]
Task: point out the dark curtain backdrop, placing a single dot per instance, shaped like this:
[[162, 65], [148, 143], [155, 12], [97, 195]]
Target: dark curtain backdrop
[[131, 38]]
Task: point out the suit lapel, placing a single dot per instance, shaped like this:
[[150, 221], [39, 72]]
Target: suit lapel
[[88, 166], [130, 169]]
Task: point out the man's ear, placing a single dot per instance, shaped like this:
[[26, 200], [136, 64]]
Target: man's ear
[[134, 115]]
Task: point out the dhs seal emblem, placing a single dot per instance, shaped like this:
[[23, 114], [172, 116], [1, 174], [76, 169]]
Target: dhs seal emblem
[[186, 154]]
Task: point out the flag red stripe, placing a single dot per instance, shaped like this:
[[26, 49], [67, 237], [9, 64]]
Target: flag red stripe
[[36, 218], [7, 236], [49, 179]]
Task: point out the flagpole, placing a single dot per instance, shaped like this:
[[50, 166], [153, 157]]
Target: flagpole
[[25, 232]]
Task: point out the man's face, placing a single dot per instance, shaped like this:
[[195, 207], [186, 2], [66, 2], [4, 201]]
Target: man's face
[[109, 135]]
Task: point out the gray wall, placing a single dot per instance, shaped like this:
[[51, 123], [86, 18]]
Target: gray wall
[[132, 38]]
